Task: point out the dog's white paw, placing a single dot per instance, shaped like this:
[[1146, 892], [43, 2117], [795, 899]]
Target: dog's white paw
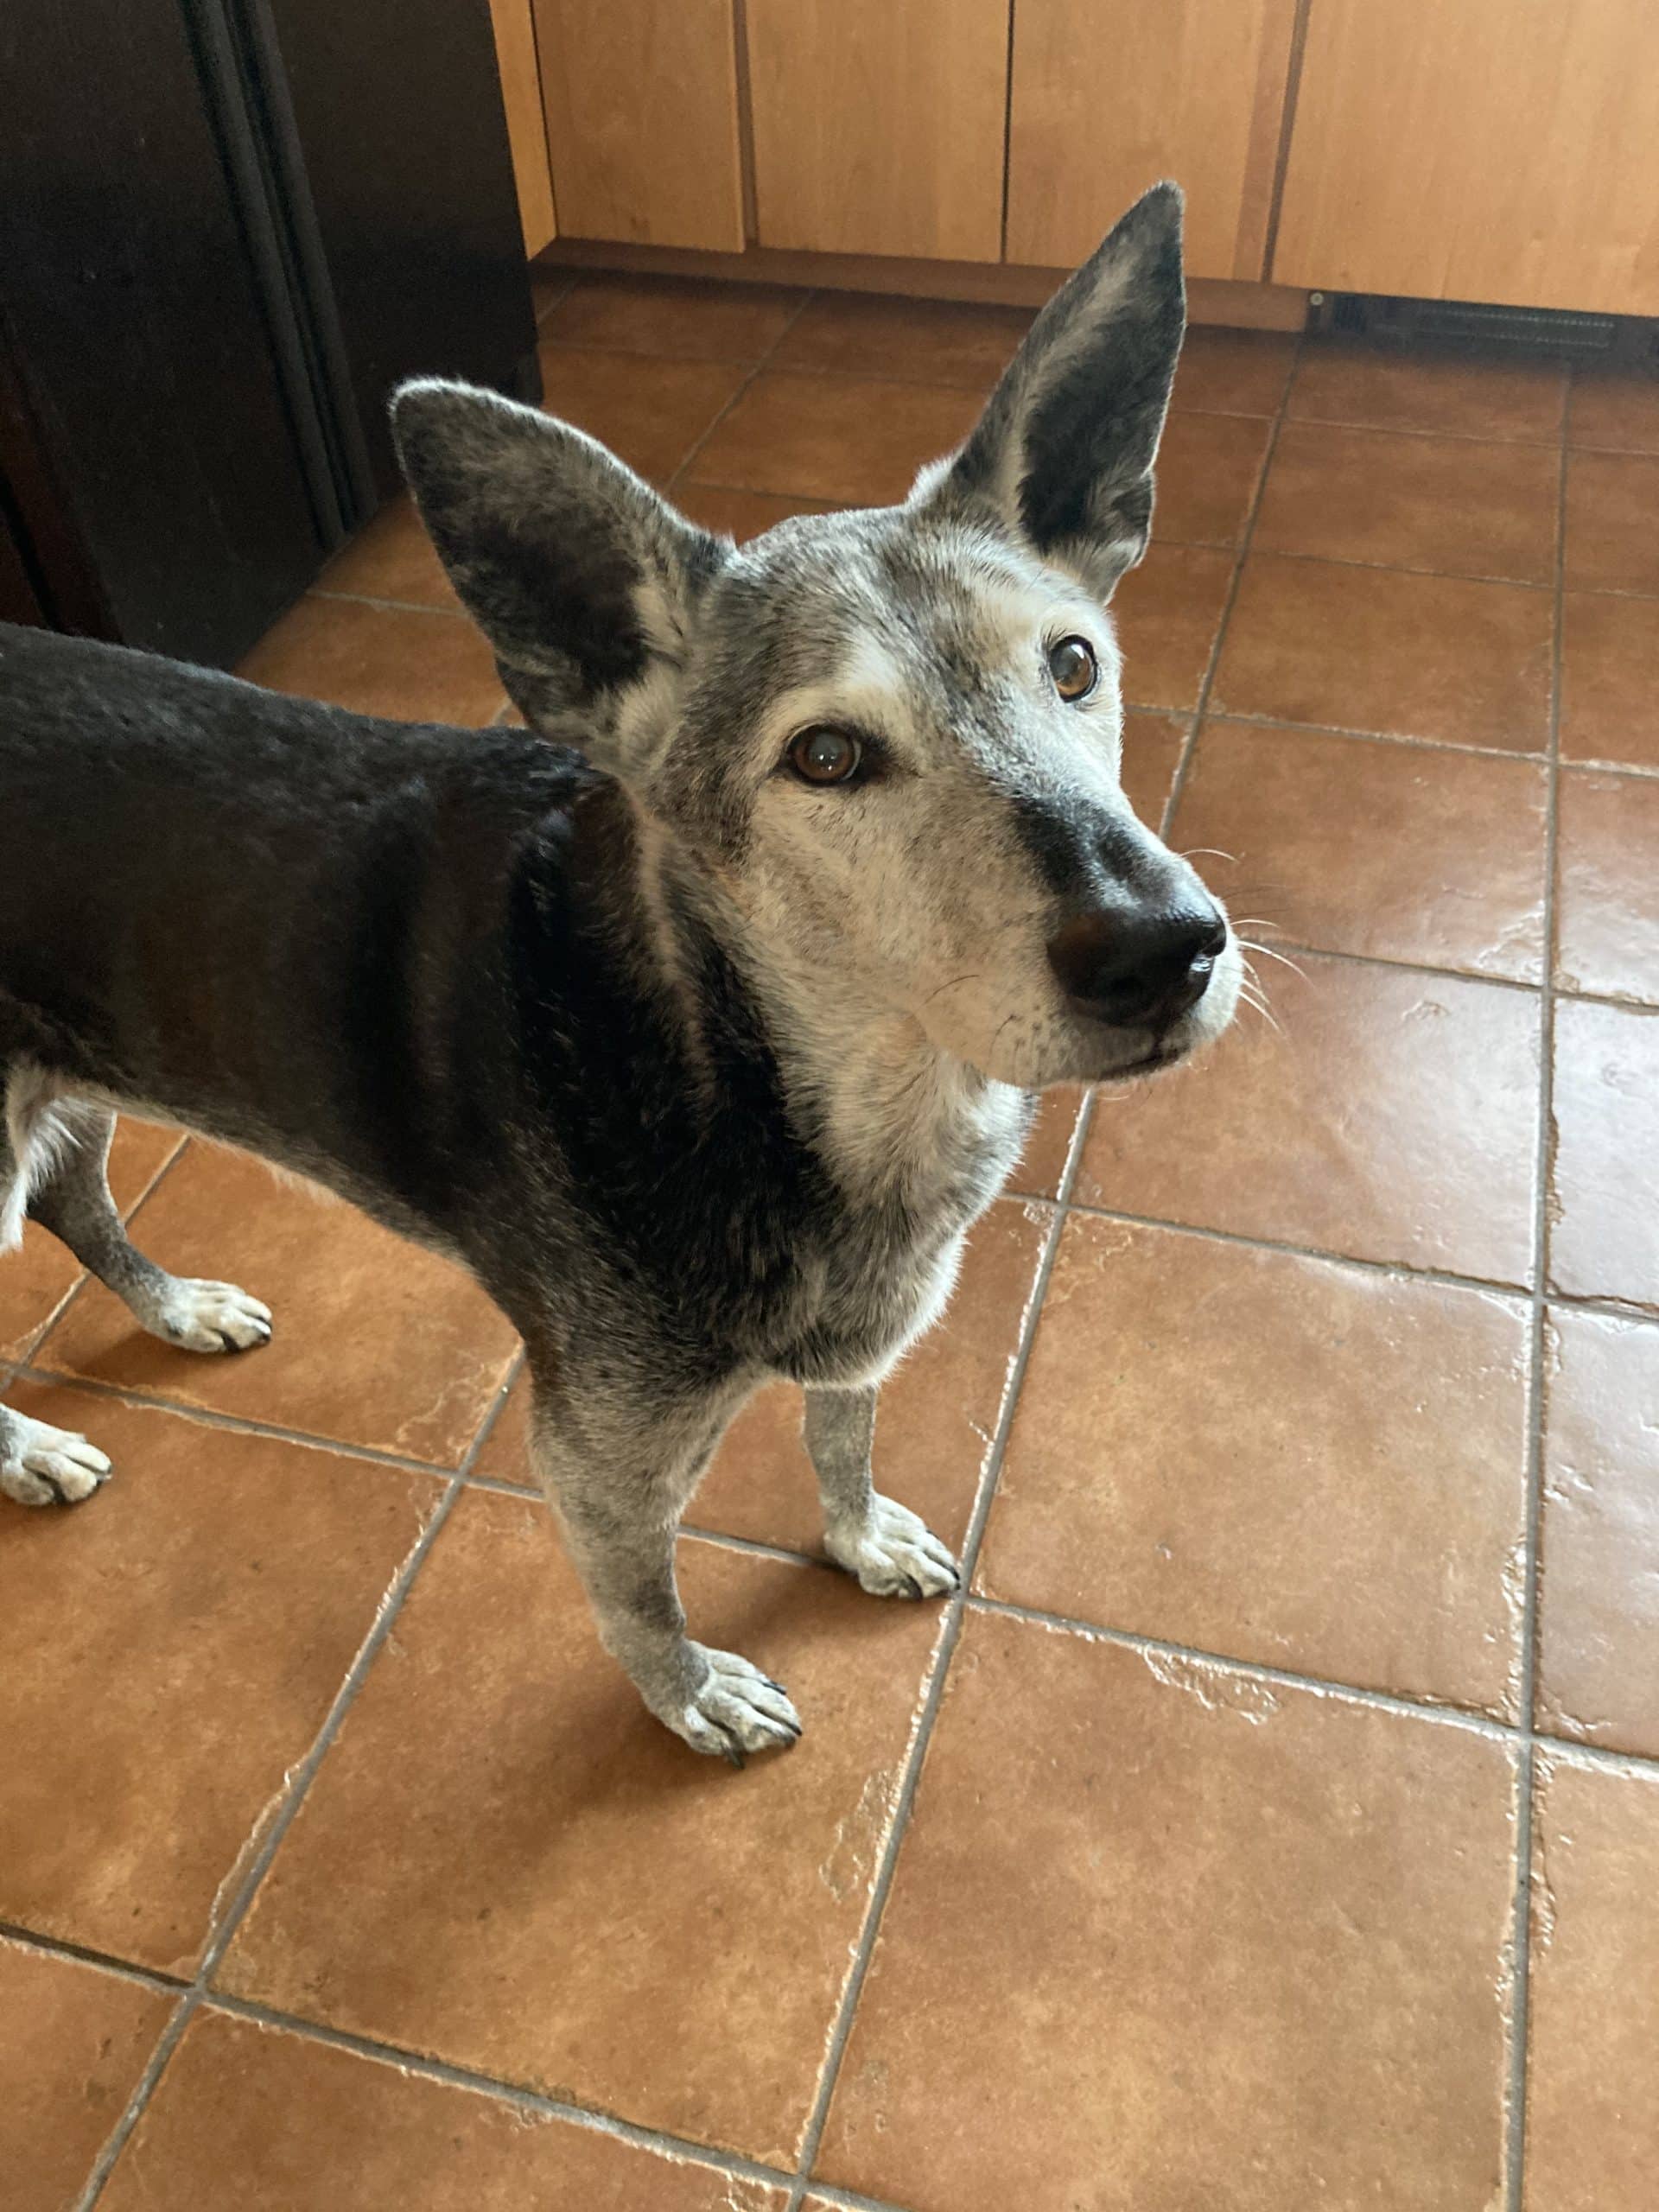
[[737, 1709], [893, 1553], [46, 1466], [211, 1317]]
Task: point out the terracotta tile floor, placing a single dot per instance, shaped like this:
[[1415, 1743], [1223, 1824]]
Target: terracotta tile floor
[[1276, 1821]]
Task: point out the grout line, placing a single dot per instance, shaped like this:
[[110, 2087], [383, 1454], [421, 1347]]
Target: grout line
[[1404, 568], [1549, 443], [1183, 766], [661, 2141], [1219, 718], [1442, 1710], [86, 1954], [1399, 1270], [1528, 1629], [1342, 956], [523, 2100], [680, 473], [904, 1804], [31, 1371], [299, 1780]]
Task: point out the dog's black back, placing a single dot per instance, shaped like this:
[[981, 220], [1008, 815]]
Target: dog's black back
[[472, 1042]]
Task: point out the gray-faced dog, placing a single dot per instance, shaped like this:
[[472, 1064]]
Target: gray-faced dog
[[700, 1020]]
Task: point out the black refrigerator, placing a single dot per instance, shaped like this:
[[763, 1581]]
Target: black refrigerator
[[227, 229]]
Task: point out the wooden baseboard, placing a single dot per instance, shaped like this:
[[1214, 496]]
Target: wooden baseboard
[[1245, 306]]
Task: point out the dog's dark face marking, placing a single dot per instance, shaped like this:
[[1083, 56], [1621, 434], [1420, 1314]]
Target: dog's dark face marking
[[976, 871]]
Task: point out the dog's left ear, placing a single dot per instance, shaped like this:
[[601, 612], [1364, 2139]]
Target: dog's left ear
[[584, 580], [1063, 454]]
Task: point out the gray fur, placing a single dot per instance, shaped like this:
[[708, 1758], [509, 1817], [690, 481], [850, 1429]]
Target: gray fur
[[705, 1071]]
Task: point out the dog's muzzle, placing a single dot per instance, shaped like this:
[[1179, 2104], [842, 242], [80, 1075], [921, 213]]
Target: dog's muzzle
[[1138, 967]]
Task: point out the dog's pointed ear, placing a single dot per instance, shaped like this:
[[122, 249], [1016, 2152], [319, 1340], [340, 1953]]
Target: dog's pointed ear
[[584, 580], [1063, 455]]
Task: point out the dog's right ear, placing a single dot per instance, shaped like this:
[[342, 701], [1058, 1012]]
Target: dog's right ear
[[584, 580]]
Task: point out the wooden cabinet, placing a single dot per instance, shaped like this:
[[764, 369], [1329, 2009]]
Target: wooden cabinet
[[1108, 96], [521, 96], [641, 102], [1502, 150], [878, 125]]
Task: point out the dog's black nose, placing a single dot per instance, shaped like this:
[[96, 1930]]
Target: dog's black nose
[[1139, 968]]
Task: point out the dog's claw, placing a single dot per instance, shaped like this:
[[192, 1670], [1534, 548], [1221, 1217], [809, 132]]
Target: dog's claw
[[211, 1317], [48, 1466], [894, 1553], [735, 1709]]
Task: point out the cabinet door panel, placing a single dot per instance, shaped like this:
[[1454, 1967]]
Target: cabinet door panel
[[521, 95], [641, 102], [1111, 95], [1478, 149], [879, 128]]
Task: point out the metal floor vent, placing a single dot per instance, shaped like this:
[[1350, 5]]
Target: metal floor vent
[[1465, 326]]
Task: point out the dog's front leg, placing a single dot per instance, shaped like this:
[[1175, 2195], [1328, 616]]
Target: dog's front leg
[[893, 1553], [618, 1484]]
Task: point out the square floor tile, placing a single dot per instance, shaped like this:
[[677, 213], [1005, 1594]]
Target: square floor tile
[[174, 1645], [1604, 1239], [1599, 1575], [1038, 1170], [1612, 542], [1340, 382], [1621, 411], [578, 1902], [1395, 655], [927, 341], [1393, 1116], [1399, 851], [35, 1279], [1153, 744], [305, 2126], [741, 515], [844, 439], [1610, 680], [1168, 616], [1455, 505], [688, 317], [1314, 1466], [935, 1422], [1234, 372], [377, 1342], [650, 412], [1208, 470], [1165, 1937], [73, 2041], [392, 557], [429, 667], [1607, 886], [1592, 2088]]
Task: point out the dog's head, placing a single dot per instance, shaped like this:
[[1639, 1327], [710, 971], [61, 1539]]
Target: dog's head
[[891, 738]]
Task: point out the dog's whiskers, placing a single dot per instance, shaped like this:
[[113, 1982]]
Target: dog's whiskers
[[1208, 852], [1267, 953]]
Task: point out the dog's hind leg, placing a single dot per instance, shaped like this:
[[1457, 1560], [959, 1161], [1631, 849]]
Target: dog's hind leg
[[618, 1472], [892, 1553], [72, 1199], [39, 1466]]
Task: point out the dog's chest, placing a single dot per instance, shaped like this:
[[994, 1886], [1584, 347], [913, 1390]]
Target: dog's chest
[[884, 1274]]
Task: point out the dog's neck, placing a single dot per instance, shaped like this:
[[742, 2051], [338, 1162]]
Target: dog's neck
[[891, 1114]]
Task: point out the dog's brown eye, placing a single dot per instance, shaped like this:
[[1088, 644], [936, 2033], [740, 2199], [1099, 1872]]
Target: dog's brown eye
[[823, 755], [1073, 667]]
